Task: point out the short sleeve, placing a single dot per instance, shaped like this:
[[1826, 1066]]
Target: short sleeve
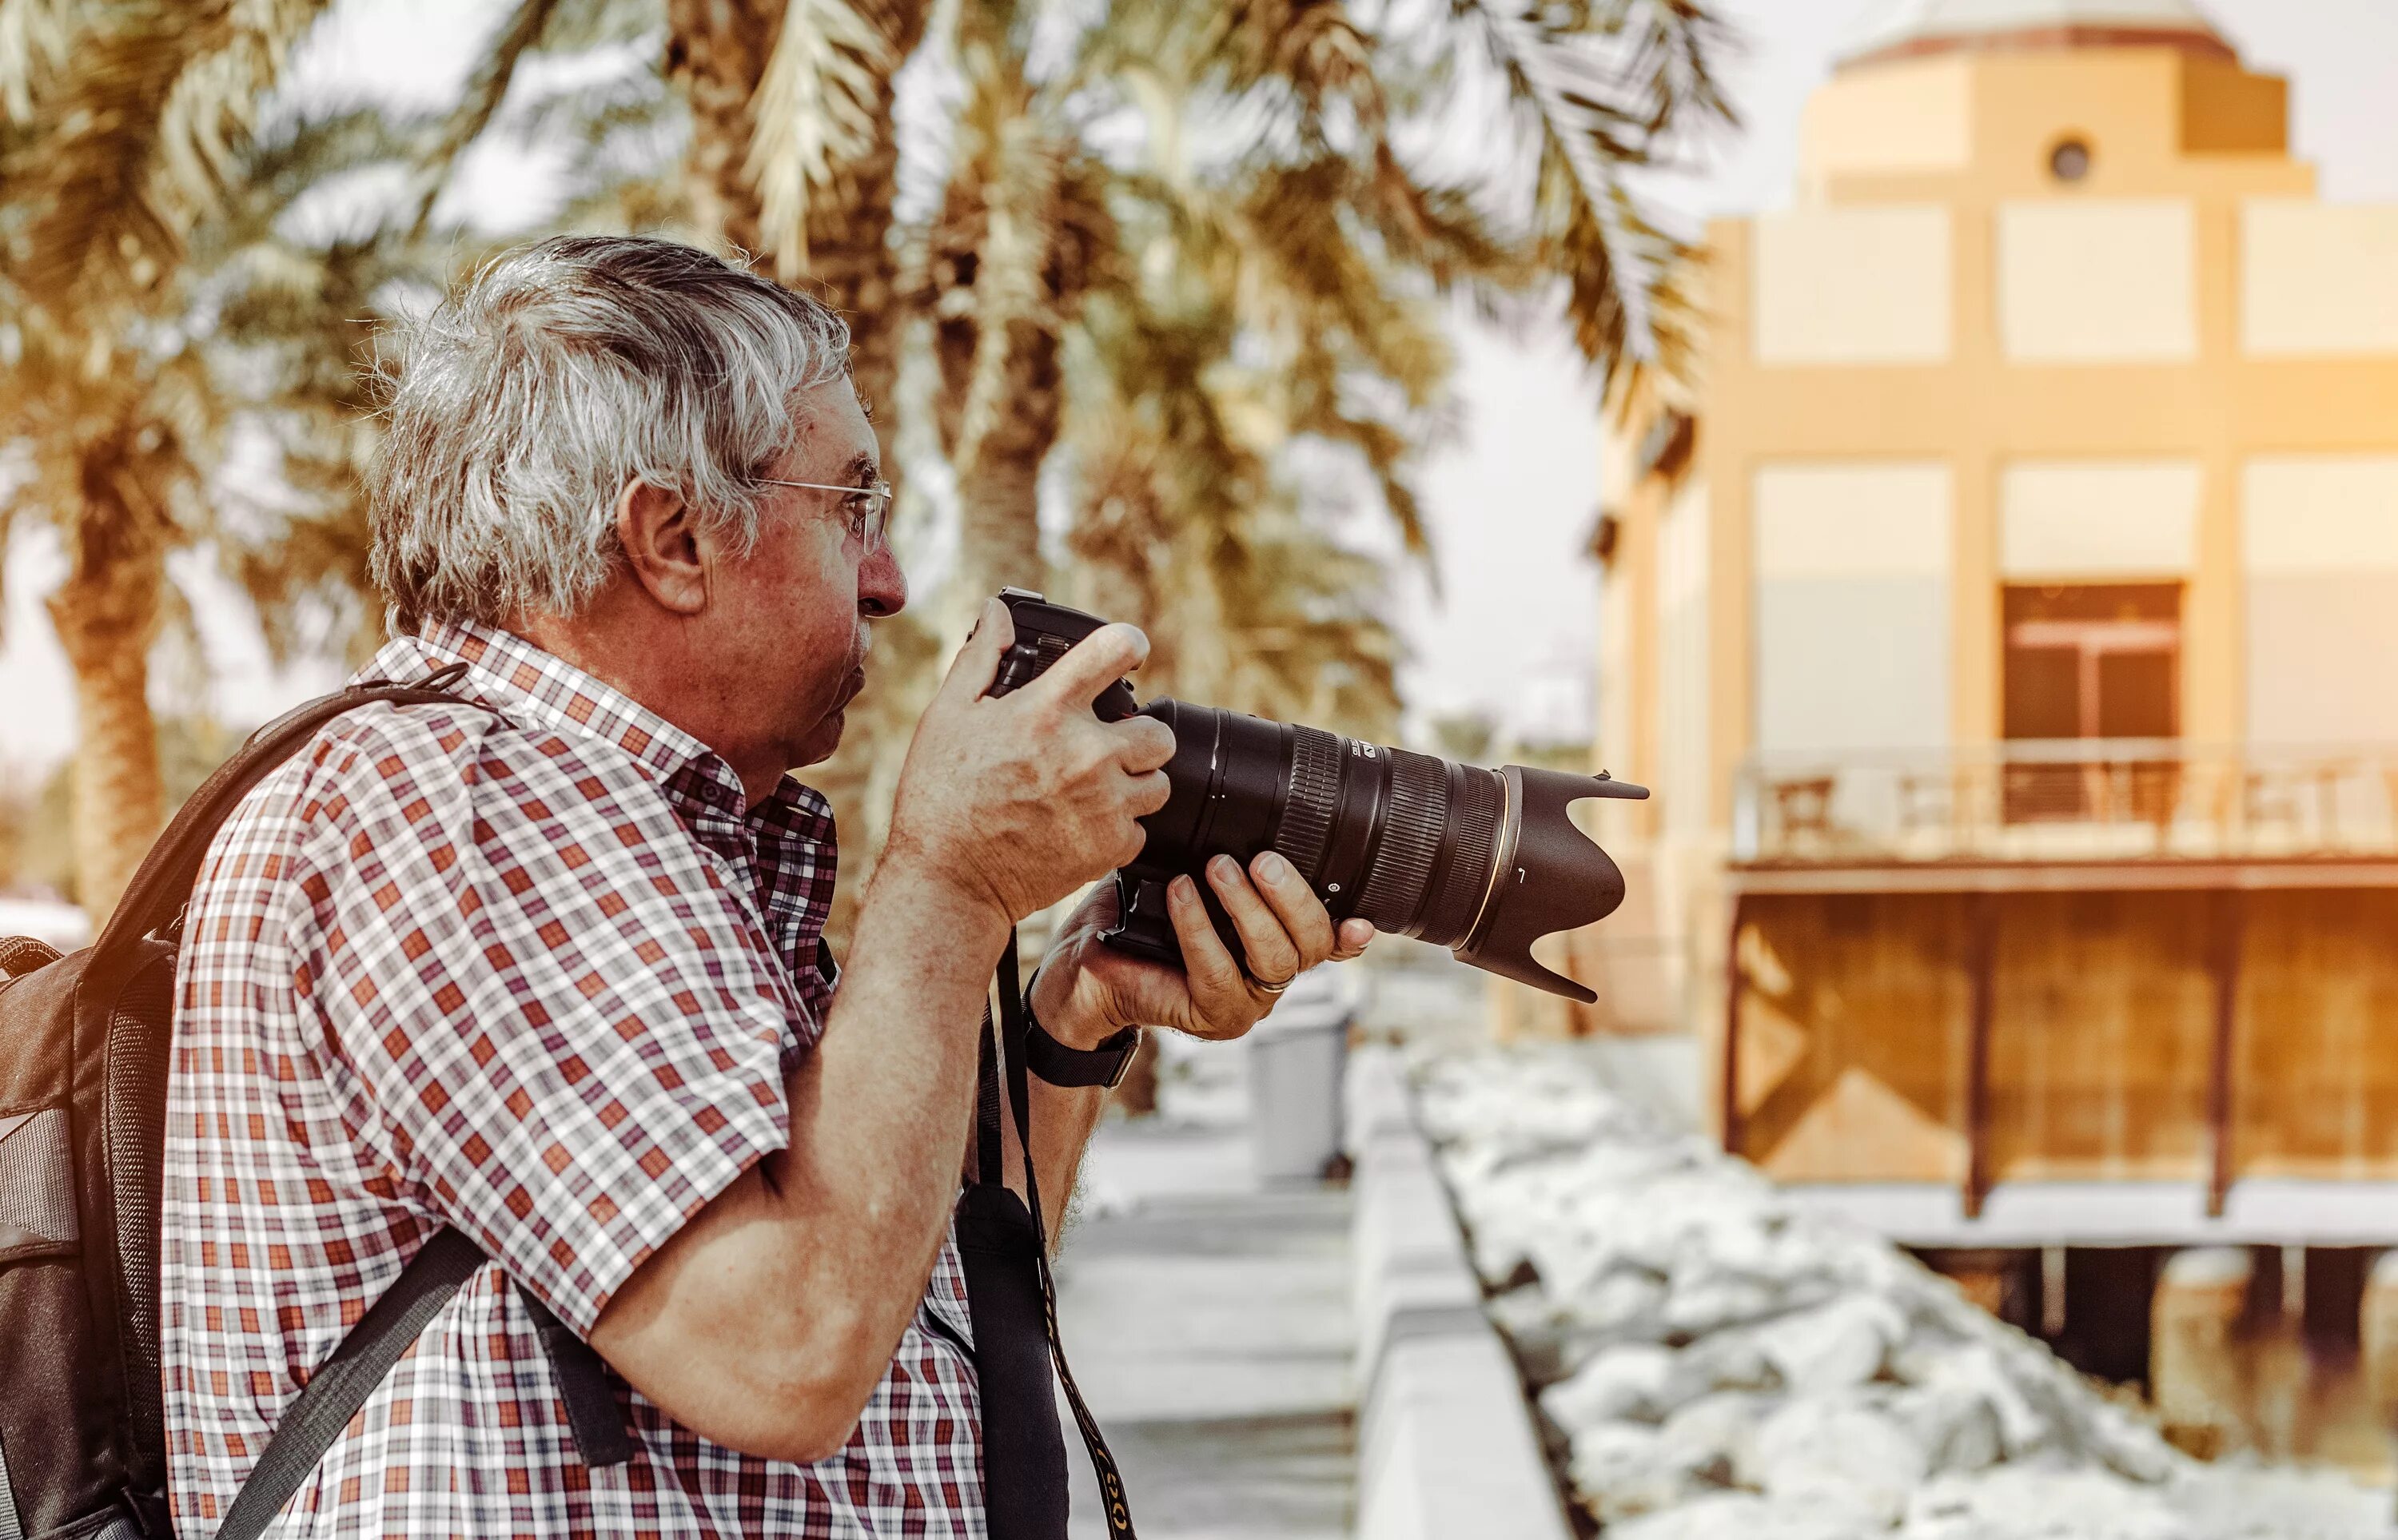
[[555, 1010]]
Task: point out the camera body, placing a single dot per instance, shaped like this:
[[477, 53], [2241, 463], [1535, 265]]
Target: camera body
[[1044, 633], [1482, 862]]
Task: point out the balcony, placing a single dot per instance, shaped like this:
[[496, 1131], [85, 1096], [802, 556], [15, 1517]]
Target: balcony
[[2087, 991], [2160, 802]]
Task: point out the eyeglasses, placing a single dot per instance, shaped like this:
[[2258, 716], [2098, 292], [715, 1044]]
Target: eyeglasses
[[866, 508]]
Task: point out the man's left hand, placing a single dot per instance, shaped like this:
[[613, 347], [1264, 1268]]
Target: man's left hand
[[1088, 990]]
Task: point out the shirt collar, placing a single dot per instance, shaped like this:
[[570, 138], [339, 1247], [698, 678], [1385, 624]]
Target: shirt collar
[[521, 679]]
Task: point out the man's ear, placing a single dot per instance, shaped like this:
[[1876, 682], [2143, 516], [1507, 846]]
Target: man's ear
[[663, 547]]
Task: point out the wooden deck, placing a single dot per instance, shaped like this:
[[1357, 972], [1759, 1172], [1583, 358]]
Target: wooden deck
[[1974, 1027]]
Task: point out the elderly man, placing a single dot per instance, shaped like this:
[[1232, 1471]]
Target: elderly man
[[545, 967]]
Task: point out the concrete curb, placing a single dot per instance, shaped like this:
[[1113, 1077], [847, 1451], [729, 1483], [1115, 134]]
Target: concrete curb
[[1445, 1445]]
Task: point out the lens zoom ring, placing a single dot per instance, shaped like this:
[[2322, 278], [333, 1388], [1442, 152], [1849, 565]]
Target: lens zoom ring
[[1402, 866], [1474, 823], [1314, 786]]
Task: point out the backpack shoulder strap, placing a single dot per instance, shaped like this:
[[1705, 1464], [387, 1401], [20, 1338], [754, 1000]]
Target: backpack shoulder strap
[[334, 1394], [163, 885]]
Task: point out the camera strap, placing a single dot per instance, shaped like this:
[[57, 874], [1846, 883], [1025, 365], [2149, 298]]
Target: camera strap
[[1011, 1299]]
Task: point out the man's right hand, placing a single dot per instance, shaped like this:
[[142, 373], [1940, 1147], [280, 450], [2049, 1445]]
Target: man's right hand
[[1020, 799]]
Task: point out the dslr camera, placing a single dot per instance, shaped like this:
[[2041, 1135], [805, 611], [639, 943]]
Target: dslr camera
[[1482, 862]]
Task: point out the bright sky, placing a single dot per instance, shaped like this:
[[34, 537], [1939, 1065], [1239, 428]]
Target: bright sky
[[1509, 502]]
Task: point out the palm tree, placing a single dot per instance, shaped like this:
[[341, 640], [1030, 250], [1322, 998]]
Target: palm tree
[[118, 120], [137, 259], [1313, 234]]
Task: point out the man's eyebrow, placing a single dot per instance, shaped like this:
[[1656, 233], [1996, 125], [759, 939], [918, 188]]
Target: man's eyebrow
[[864, 469]]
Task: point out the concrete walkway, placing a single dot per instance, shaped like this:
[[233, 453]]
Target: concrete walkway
[[1208, 1319]]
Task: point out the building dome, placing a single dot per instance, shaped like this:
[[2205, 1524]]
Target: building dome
[[1911, 29]]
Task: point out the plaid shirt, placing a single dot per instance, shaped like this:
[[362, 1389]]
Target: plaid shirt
[[535, 974]]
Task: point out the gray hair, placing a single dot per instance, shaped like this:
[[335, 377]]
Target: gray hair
[[527, 401]]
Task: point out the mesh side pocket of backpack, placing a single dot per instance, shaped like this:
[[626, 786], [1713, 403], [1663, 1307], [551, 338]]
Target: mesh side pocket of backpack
[[134, 1129]]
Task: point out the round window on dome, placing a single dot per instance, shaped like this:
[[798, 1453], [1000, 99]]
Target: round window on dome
[[2069, 161]]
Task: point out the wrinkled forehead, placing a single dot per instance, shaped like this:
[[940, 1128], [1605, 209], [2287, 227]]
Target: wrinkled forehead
[[832, 437]]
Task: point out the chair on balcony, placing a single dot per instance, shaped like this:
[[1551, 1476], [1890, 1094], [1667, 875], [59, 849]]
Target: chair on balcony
[[2154, 788], [2382, 834], [1928, 804], [2268, 806], [1802, 810], [2327, 776]]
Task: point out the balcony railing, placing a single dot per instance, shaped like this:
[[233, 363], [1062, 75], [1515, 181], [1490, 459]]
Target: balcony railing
[[2069, 800]]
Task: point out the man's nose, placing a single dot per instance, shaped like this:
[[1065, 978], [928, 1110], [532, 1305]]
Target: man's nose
[[881, 587]]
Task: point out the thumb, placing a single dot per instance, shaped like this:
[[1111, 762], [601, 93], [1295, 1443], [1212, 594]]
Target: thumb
[[977, 664]]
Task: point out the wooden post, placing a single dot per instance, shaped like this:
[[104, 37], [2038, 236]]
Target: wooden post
[[2229, 933], [1733, 983], [1981, 961]]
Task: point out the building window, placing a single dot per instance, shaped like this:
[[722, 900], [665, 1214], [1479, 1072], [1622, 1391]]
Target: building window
[[2087, 661], [2071, 160], [2092, 660]]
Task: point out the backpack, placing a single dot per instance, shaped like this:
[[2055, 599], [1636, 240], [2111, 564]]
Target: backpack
[[84, 1053]]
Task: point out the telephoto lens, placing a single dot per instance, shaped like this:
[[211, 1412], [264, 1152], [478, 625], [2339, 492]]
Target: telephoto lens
[[1482, 862]]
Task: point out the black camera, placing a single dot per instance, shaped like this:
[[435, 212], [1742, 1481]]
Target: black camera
[[1482, 862]]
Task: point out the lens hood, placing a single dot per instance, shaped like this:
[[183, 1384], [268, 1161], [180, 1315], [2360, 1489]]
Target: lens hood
[[1548, 875]]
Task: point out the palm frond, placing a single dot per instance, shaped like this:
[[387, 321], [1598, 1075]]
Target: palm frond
[[1598, 87], [1304, 67], [139, 139], [1180, 524], [486, 89], [35, 38], [596, 23], [820, 104]]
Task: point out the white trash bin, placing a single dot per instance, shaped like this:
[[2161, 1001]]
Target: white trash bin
[[1297, 1058]]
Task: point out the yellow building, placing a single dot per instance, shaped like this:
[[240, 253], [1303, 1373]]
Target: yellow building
[[2008, 623]]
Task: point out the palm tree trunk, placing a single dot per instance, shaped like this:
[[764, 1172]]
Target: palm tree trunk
[[716, 55], [853, 266], [999, 488], [107, 616]]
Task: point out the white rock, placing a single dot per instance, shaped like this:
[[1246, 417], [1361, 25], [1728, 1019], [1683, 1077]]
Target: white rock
[[1822, 1365], [1850, 1452], [1834, 1345], [2030, 1503], [1978, 1371], [2237, 1500], [1619, 1384], [1730, 1299], [1729, 1360], [1524, 1309], [1720, 1430], [1958, 1428], [1624, 1469], [1741, 1516], [1628, 1301]]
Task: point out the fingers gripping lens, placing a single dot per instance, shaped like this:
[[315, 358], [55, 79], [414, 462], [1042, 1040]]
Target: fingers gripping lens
[[1482, 862]]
